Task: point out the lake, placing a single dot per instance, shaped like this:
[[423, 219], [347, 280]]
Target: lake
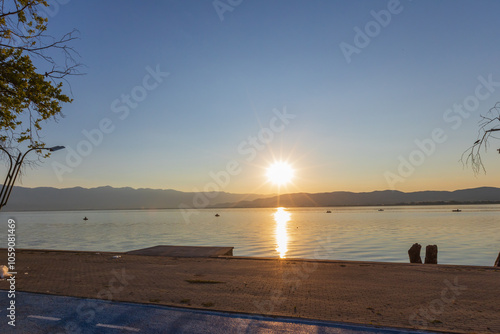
[[470, 237]]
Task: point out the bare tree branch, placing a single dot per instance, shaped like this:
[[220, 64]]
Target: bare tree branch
[[488, 126]]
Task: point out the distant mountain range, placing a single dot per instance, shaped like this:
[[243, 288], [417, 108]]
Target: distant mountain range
[[109, 198], [387, 197]]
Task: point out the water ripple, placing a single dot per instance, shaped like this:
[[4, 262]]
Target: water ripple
[[471, 237]]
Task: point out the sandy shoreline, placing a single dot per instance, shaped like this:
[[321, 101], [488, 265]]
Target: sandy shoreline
[[433, 297]]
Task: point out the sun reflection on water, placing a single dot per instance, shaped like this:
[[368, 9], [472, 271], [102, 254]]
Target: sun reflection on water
[[281, 217]]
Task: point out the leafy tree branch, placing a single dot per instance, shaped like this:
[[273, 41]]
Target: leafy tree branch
[[31, 95]]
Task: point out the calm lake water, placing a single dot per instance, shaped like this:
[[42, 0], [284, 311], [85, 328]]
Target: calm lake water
[[471, 237]]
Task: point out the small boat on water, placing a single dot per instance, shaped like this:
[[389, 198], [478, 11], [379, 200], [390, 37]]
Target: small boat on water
[[380, 209], [85, 218], [456, 210], [217, 215], [328, 211]]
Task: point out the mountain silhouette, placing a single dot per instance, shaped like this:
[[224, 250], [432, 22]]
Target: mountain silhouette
[[386, 197], [109, 198]]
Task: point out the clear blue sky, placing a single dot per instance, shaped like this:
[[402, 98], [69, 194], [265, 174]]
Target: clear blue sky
[[352, 115]]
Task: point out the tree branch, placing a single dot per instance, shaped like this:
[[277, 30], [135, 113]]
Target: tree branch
[[472, 156]]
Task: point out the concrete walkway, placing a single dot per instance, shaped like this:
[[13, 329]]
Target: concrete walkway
[[461, 299], [41, 313], [184, 251]]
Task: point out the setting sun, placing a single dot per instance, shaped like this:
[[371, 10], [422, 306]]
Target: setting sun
[[280, 173]]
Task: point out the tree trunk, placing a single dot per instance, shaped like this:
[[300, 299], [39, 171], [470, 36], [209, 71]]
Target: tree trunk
[[431, 254], [414, 253]]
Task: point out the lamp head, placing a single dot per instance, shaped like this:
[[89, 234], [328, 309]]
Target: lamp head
[[55, 148]]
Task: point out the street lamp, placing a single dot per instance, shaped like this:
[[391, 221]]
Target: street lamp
[[10, 179]]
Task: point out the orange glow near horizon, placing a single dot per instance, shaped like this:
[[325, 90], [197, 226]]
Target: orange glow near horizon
[[281, 217]]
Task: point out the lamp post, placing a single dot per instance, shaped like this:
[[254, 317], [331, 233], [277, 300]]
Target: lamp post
[[14, 169]]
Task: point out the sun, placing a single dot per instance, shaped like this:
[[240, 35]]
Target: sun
[[280, 173]]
